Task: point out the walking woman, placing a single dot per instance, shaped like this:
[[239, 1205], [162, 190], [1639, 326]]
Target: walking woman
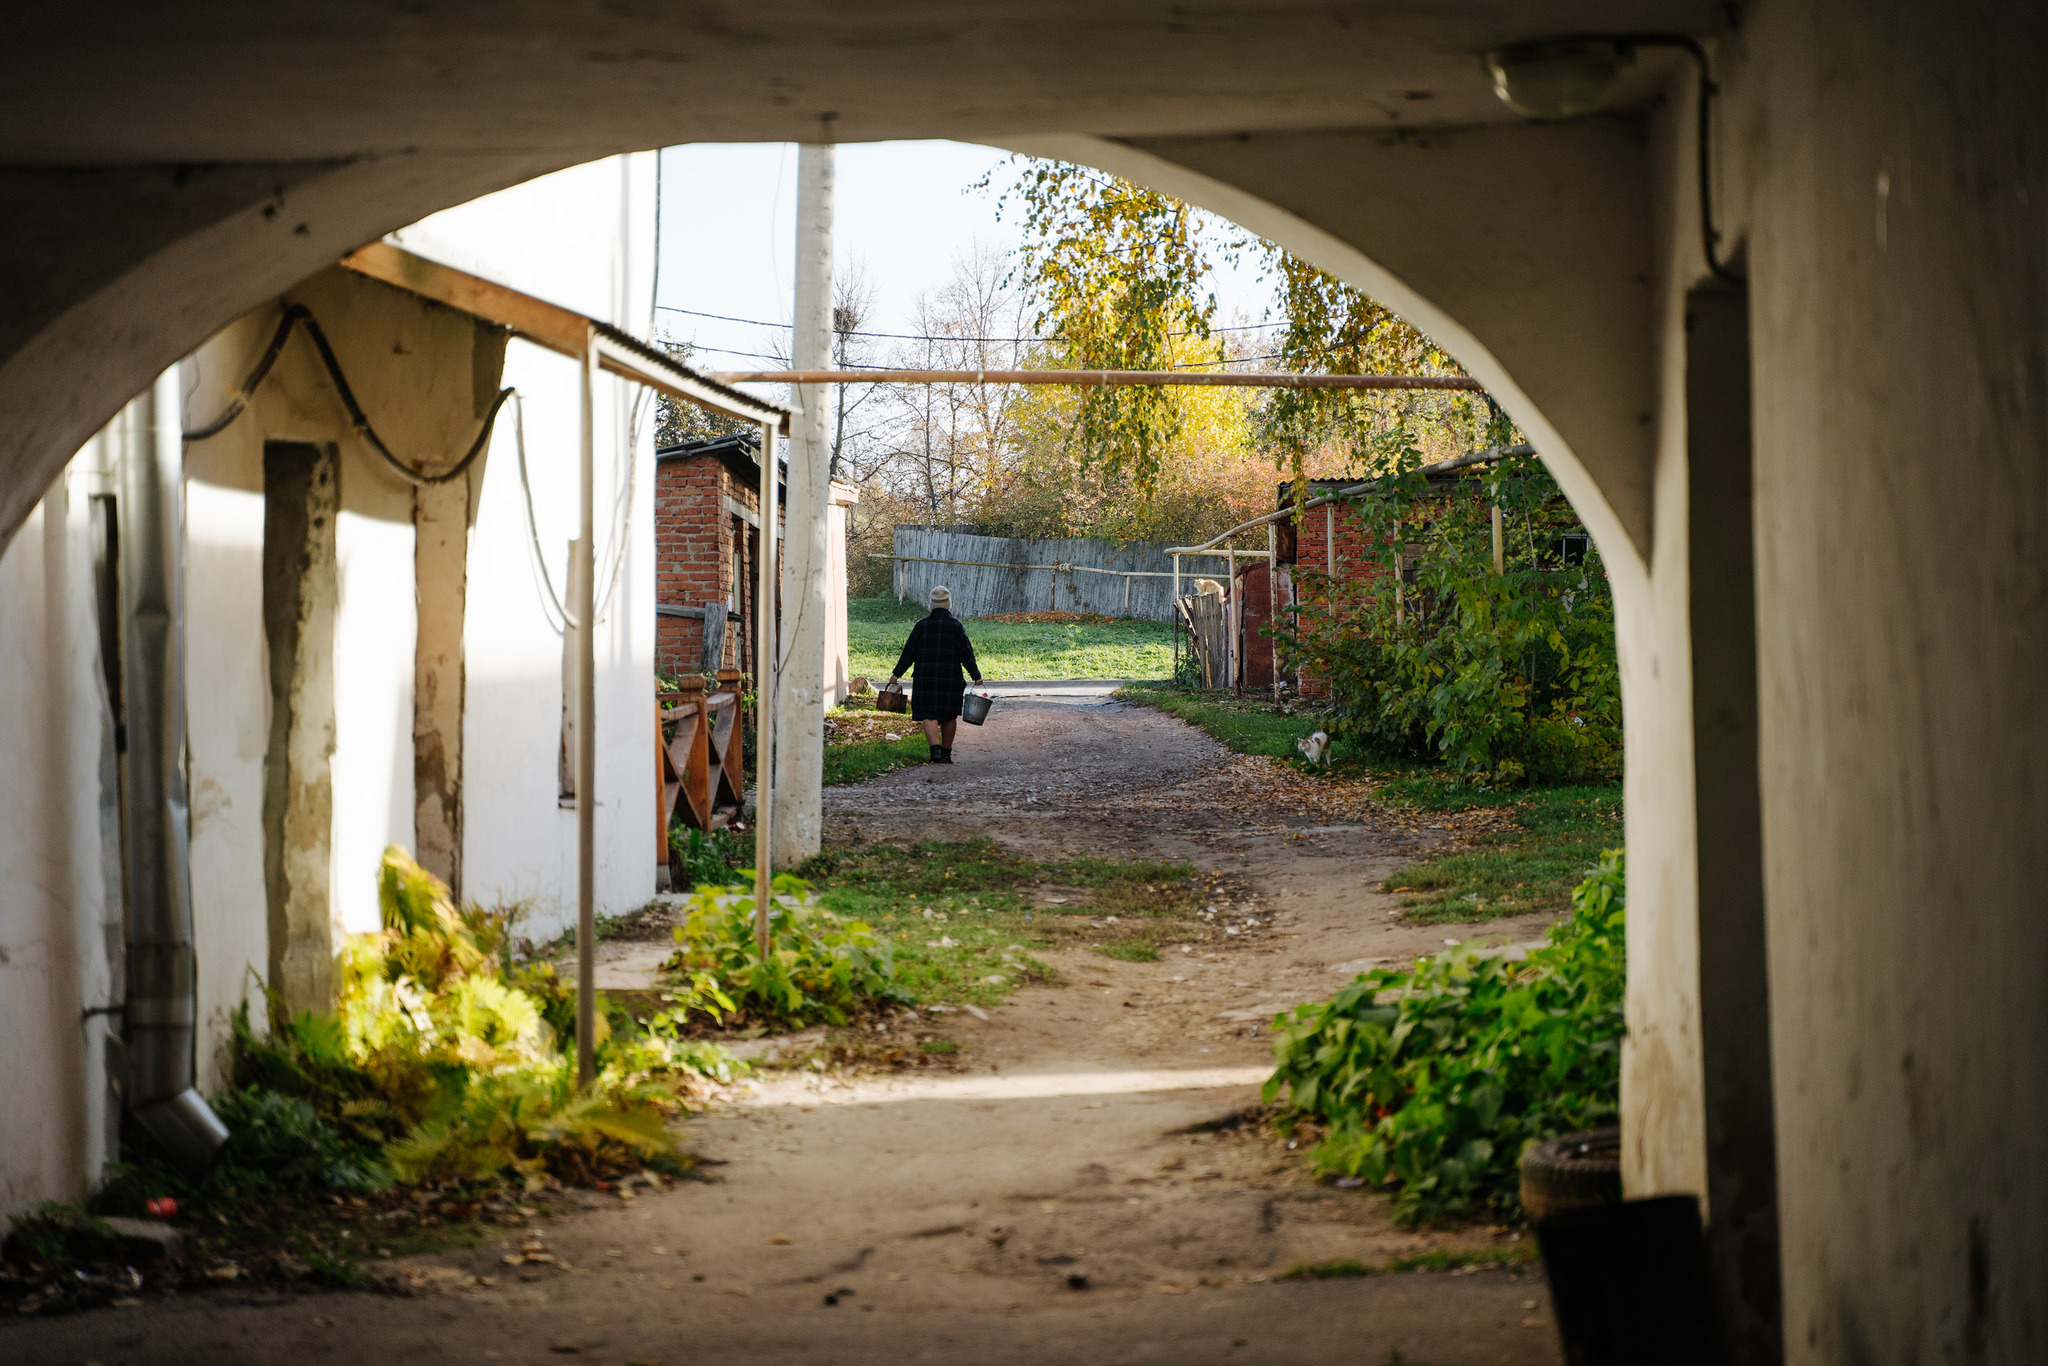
[[938, 649]]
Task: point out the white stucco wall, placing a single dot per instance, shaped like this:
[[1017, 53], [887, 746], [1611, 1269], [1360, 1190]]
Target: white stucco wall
[[582, 238], [53, 944]]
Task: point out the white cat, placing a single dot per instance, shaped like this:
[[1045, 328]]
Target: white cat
[[1315, 748]]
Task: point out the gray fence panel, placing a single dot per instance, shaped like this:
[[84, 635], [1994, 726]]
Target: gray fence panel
[[997, 578]]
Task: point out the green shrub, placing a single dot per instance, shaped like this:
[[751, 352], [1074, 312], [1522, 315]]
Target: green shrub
[[282, 1140], [820, 965], [444, 1061], [1433, 1080], [715, 857], [1507, 678]]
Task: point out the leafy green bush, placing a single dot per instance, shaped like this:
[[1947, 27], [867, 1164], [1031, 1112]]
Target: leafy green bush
[[706, 858], [282, 1140], [445, 1061], [1508, 677], [820, 965], [1433, 1080]]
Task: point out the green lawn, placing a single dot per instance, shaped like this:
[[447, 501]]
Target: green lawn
[[1559, 832], [877, 627]]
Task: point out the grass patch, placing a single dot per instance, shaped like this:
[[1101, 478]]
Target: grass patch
[[1441, 1259], [865, 759], [941, 1047], [965, 917], [1132, 951], [1122, 648], [1246, 725], [1558, 835], [1561, 831]]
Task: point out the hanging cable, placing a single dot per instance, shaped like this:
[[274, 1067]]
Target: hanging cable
[[620, 538], [551, 601], [238, 402]]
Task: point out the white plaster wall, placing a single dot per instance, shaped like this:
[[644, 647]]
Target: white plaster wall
[[582, 238], [374, 633], [54, 963], [227, 718]]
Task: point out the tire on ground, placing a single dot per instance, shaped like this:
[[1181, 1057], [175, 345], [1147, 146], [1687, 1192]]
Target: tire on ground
[[1571, 1171]]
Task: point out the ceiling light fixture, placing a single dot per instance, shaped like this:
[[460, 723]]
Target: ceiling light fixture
[[1557, 78], [1569, 77]]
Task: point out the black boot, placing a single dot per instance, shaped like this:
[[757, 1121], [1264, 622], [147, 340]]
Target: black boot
[[938, 755], [945, 754]]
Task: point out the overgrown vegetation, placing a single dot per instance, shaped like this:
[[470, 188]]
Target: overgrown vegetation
[[445, 1059], [1431, 1081], [1121, 648], [1506, 678], [434, 1101], [707, 856], [820, 966]]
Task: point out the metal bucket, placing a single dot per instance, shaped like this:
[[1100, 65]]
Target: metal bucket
[[892, 698], [974, 707]]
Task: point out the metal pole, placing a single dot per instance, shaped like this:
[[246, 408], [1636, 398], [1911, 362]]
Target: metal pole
[[765, 665], [1273, 600], [585, 606], [1330, 546], [1231, 662], [1176, 616]]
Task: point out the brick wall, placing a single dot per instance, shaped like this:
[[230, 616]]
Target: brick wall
[[694, 538], [1356, 561]]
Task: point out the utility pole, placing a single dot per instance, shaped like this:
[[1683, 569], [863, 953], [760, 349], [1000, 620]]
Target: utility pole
[[800, 684]]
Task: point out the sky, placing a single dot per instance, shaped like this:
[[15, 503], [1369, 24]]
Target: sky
[[903, 210]]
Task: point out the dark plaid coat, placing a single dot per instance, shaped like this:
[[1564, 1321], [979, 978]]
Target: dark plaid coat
[[938, 649]]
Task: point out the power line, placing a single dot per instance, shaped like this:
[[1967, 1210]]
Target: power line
[[784, 360], [919, 336]]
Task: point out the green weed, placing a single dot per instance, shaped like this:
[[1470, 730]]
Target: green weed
[[1433, 1080], [820, 965], [1131, 951]]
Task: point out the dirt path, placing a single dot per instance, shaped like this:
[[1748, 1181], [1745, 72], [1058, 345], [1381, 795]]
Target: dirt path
[[945, 1215]]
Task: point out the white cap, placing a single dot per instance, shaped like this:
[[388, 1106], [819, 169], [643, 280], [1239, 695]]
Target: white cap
[[941, 597]]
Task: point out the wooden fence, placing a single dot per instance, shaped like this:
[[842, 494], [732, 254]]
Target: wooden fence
[[990, 574]]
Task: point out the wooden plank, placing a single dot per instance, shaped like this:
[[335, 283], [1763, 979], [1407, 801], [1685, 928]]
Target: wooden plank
[[547, 324]]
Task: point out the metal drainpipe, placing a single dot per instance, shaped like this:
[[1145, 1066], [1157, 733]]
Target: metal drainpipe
[[162, 1012]]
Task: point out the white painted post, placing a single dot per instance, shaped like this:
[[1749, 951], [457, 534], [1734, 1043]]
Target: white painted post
[[584, 605], [800, 678]]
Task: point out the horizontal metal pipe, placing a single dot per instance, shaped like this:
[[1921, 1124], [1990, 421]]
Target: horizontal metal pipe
[[1097, 379], [1456, 462], [1061, 568]]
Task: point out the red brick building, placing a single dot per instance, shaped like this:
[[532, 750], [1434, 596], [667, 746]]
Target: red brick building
[[707, 534]]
